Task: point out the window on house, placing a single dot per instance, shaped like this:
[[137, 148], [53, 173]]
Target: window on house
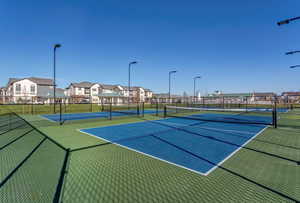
[[18, 88], [32, 89], [94, 89], [86, 91]]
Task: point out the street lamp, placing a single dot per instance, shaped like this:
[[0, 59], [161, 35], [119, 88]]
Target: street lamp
[[170, 73], [287, 21], [292, 52], [197, 77], [296, 66], [129, 70], [54, 73]]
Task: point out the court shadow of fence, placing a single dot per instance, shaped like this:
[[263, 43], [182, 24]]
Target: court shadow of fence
[[29, 157]]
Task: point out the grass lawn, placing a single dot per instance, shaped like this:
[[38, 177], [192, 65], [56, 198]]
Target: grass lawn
[[266, 170]]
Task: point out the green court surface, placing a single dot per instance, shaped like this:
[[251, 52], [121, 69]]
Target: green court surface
[[265, 170]]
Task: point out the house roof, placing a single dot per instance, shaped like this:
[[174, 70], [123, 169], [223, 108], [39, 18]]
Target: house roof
[[264, 94], [231, 95], [38, 81], [291, 93], [84, 84], [109, 87]]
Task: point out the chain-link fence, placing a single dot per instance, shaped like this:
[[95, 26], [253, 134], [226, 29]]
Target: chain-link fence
[[32, 164]]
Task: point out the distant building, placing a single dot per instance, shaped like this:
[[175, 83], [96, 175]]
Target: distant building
[[164, 98], [104, 93], [291, 97], [263, 96], [30, 90]]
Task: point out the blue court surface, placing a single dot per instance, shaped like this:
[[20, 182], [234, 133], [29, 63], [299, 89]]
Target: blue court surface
[[191, 144], [92, 115]]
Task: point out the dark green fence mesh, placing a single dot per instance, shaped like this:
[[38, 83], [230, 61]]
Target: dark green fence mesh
[[31, 163]]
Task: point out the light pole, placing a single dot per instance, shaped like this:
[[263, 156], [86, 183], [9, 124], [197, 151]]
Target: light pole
[[129, 70], [292, 52], [296, 66], [54, 73], [197, 77], [170, 73], [287, 21]]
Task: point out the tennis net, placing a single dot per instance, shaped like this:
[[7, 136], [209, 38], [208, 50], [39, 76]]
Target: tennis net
[[124, 110], [242, 116]]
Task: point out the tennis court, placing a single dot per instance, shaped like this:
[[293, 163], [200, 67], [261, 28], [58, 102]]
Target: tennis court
[[92, 115], [196, 145]]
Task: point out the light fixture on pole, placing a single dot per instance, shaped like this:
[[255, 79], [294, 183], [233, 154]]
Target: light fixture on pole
[[197, 77], [129, 70], [170, 73], [54, 73]]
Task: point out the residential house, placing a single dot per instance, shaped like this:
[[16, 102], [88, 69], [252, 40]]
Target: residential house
[[95, 92], [30, 90], [263, 97], [291, 97], [2, 95], [148, 95], [164, 98]]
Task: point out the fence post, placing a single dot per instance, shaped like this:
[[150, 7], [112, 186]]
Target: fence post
[[156, 108], [32, 106], [138, 108], [60, 112], [165, 111], [110, 111]]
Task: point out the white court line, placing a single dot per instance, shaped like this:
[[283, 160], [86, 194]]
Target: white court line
[[235, 151], [48, 119], [178, 165]]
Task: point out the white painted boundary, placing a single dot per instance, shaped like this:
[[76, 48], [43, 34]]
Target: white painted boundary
[[178, 165], [235, 151]]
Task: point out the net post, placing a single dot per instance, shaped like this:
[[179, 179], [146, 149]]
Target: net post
[[165, 111], [65, 105], [110, 111], [138, 109], [60, 112], [223, 102], [143, 109], [275, 115], [32, 106], [246, 104], [156, 108]]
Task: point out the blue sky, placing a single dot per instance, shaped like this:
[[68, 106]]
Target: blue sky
[[235, 45]]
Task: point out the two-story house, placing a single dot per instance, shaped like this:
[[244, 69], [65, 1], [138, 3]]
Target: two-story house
[[263, 97], [95, 92], [2, 95], [291, 97], [32, 89]]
